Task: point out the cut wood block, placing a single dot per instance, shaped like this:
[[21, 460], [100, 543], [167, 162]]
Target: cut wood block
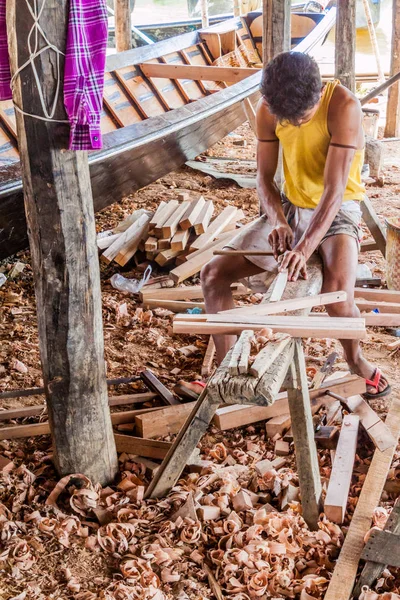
[[327, 437], [151, 244], [282, 448], [284, 306], [185, 292], [277, 425], [239, 362], [216, 227], [156, 217], [204, 217], [376, 429], [146, 448], [180, 240], [127, 251], [373, 223], [106, 241], [242, 501], [279, 286], [208, 360], [167, 421], [192, 213], [151, 466], [342, 470], [170, 226], [164, 244], [289, 494], [165, 214], [133, 233], [267, 356], [166, 256], [209, 513]]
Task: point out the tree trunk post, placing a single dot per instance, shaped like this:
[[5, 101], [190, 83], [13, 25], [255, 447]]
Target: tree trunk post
[[123, 25], [276, 28], [392, 128], [61, 229], [345, 43]]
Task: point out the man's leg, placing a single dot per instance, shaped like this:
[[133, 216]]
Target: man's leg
[[216, 279], [339, 254]]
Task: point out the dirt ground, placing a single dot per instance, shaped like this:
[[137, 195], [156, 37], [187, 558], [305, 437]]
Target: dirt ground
[[132, 344]]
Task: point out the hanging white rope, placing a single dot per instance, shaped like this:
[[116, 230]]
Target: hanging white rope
[[34, 52]]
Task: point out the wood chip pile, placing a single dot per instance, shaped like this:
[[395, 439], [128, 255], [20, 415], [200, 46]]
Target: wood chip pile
[[180, 233]]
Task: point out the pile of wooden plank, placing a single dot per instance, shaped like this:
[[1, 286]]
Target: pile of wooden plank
[[180, 232]]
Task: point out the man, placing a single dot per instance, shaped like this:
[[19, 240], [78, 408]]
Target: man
[[320, 132]]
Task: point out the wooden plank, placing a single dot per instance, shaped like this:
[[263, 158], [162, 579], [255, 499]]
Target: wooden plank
[[267, 356], [208, 360], [392, 128], [278, 425], [137, 445], [61, 228], [166, 256], [204, 217], [130, 234], [175, 306], [279, 286], [196, 73], [186, 440], [342, 470], [150, 244], [130, 248], [383, 547], [344, 574], [373, 223], [239, 361], [383, 320], [166, 213], [377, 295], [303, 437], [376, 429], [106, 241], [283, 306], [185, 292], [373, 570], [167, 421], [179, 241], [123, 25], [216, 227], [345, 46], [193, 211], [171, 225], [383, 307], [155, 385], [156, 217]]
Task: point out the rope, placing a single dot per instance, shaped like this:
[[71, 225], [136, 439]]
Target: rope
[[35, 30]]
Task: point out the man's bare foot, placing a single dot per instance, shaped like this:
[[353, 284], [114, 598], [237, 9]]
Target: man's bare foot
[[364, 369]]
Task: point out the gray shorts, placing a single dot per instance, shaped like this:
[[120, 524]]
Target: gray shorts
[[347, 222]]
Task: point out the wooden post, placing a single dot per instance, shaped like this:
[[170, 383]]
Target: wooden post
[[59, 212], [303, 437], [123, 25], [374, 41], [204, 14], [276, 28], [345, 43], [392, 128], [236, 8]]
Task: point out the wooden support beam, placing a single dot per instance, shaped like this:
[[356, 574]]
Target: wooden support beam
[[383, 547], [392, 128], [62, 237], [276, 28], [372, 570], [123, 25], [196, 72], [345, 43], [303, 437], [373, 223], [344, 574], [342, 470]]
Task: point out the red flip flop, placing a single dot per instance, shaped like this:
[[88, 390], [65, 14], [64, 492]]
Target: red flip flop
[[374, 382]]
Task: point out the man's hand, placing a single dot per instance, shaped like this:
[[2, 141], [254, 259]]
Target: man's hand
[[280, 239], [296, 264]]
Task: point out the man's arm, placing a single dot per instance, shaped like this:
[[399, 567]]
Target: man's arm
[[281, 236], [345, 125]]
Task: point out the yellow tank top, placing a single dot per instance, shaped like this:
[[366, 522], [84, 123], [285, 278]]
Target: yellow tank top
[[305, 149]]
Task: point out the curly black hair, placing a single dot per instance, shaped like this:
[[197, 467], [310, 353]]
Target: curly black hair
[[291, 85]]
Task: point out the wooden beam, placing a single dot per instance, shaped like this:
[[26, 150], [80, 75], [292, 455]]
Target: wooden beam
[[278, 286], [276, 28], [342, 470], [344, 574], [382, 547], [208, 360], [345, 45], [62, 236], [377, 295], [239, 361], [204, 217], [155, 385], [166, 421], [196, 72], [284, 306], [123, 25], [303, 437], [193, 211], [392, 128], [215, 228], [373, 223], [142, 447], [185, 292]]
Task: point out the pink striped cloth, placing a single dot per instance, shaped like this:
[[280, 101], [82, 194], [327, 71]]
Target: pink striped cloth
[[84, 69]]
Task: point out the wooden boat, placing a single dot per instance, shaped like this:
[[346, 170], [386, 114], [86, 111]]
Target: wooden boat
[[163, 105]]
